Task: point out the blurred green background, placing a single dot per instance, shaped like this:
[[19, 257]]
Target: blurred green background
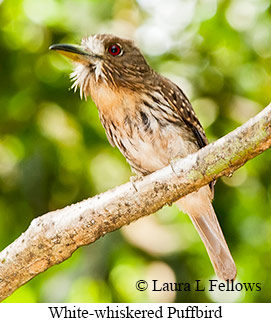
[[53, 149]]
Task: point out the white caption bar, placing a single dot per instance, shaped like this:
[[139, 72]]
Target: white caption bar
[[84, 312]]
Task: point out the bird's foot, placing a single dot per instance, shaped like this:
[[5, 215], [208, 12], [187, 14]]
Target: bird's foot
[[134, 179], [172, 162]]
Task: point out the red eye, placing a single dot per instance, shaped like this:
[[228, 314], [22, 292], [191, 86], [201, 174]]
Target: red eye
[[114, 50]]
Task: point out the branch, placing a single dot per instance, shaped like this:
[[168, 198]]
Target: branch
[[53, 237]]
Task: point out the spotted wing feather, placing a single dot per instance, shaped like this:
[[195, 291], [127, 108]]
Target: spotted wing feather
[[181, 105]]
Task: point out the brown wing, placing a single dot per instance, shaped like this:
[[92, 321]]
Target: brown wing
[[181, 105]]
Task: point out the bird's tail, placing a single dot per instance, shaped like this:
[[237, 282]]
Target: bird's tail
[[200, 210]]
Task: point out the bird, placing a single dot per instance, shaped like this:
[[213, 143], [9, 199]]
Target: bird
[[150, 120]]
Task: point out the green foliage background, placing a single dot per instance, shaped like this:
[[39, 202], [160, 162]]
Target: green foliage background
[[53, 150]]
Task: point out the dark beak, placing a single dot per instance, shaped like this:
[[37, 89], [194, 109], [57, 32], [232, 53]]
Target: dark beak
[[74, 52]]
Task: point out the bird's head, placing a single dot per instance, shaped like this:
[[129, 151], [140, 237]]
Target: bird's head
[[108, 59]]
